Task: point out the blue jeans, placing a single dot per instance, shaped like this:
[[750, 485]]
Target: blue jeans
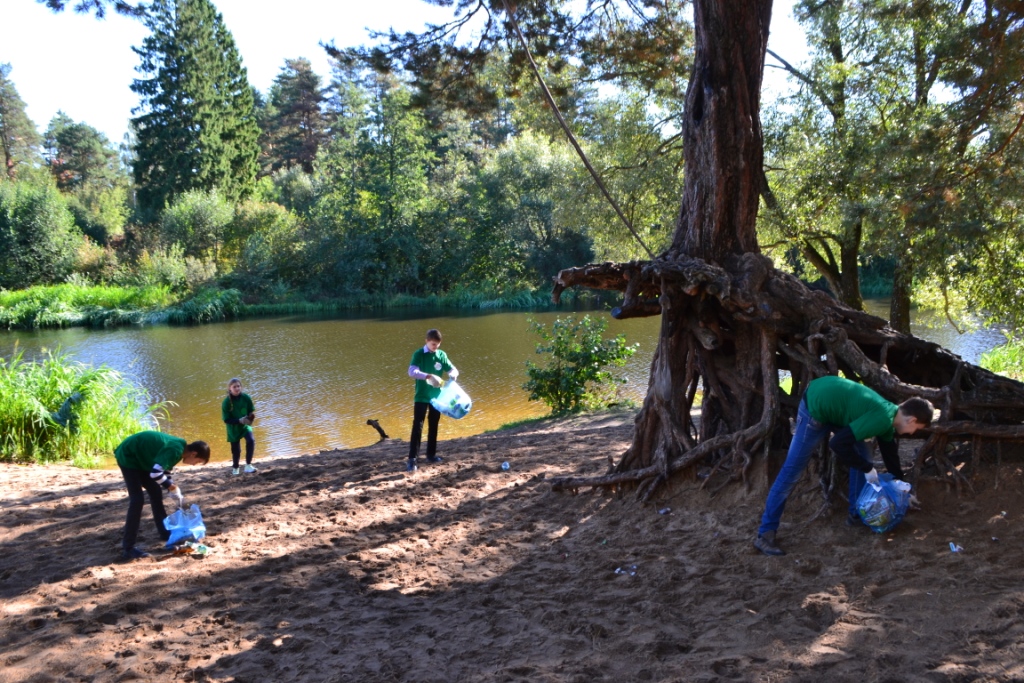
[[808, 434]]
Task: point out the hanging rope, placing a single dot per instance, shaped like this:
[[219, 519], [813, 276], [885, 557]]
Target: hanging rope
[[572, 138]]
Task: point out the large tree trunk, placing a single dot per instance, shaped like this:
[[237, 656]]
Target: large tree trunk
[[723, 150], [899, 305]]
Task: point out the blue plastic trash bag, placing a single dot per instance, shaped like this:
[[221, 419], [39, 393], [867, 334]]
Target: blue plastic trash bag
[[883, 508], [185, 525], [452, 401]]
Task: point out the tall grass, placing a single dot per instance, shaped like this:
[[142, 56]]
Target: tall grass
[[59, 410], [71, 304]]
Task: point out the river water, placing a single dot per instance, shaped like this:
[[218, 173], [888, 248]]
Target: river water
[[316, 382]]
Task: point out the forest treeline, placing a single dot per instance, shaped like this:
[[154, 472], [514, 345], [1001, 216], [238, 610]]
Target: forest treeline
[[407, 175]]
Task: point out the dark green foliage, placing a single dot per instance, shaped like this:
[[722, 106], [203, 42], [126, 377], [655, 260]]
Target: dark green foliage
[[263, 240], [197, 220], [576, 377], [86, 167], [134, 9], [197, 129], [906, 122], [643, 45], [79, 155], [294, 121], [208, 305], [365, 228], [37, 235]]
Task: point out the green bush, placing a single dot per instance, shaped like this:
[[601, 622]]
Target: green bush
[[198, 221], [575, 378], [100, 212], [207, 306], [160, 268], [38, 237], [58, 410], [266, 242]]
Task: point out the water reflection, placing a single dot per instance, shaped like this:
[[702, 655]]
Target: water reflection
[[315, 382], [934, 327]]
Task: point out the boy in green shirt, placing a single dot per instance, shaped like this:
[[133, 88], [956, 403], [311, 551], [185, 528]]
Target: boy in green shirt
[[853, 413], [146, 460], [426, 367]]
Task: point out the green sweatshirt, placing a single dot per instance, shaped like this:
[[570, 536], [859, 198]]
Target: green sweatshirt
[[234, 408], [844, 403]]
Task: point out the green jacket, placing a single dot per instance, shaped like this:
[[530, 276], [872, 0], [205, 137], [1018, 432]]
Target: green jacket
[[844, 403], [153, 452], [234, 408]]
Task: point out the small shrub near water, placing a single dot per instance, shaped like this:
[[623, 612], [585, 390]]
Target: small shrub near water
[[207, 306], [576, 377], [59, 410]]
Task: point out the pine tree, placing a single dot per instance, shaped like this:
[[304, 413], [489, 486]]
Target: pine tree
[[295, 126], [79, 155], [197, 129], [18, 135]]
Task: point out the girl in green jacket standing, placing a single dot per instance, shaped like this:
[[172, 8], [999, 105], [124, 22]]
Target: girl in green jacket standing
[[238, 412]]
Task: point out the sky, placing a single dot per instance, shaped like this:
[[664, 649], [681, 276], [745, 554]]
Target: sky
[[84, 67]]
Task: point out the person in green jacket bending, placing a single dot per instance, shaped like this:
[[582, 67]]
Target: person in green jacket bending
[[852, 413], [146, 460]]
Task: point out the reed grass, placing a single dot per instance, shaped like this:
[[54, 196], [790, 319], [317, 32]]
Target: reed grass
[[70, 305], [58, 410]]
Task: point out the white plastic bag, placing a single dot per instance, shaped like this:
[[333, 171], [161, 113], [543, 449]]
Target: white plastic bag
[[185, 525], [453, 401]]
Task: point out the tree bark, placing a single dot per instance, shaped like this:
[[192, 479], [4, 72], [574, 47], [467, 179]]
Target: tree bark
[[899, 306], [723, 149]]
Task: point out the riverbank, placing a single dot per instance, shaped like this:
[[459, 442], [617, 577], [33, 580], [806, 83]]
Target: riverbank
[[101, 306], [340, 566]]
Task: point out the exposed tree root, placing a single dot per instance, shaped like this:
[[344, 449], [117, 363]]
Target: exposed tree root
[[710, 312]]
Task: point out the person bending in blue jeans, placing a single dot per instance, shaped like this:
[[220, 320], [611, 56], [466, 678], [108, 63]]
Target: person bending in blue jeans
[[853, 413]]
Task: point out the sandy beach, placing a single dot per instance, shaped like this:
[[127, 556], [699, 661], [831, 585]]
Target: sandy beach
[[340, 566]]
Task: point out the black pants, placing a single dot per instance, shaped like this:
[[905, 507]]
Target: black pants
[[236, 449], [421, 410], [138, 481]]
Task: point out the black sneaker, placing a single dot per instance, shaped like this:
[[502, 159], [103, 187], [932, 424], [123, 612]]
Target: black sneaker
[[766, 544], [434, 458], [134, 554], [411, 466]]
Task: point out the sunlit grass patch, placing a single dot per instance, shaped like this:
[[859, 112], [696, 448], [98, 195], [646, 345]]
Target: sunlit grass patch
[[59, 410]]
